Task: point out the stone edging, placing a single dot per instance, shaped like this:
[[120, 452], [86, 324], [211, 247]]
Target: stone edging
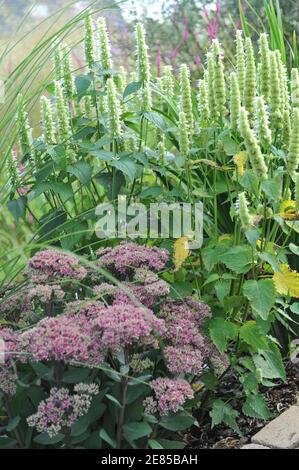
[[281, 433]]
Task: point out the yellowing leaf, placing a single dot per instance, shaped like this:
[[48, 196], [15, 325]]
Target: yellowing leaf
[[287, 210], [181, 252], [240, 160], [197, 386], [225, 236], [287, 281]]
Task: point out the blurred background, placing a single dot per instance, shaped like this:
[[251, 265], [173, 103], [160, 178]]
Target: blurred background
[[178, 30]]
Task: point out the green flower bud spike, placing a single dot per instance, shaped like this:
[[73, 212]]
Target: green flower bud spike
[[235, 102], [113, 109], [184, 135], [24, 127], [143, 68], [275, 92], [89, 42], [105, 47], [262, 126], [295, 88], [240, 60], [47, 121], [265, 67], [253, 149], [143, 65], [13, 171], [68, 74], [245, 217], [162, 152], [62, 115], [186, 97], [286, 129], [250, 79], [297, 191], [58, 61], [293, 154], [202, 100], [219, 80], [168, 81], [210, 82]]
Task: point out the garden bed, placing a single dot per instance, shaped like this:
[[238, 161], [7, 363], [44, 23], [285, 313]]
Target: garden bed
[[278, 398]]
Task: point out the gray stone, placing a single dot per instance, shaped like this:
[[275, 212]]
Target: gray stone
[[282, 432], [254, 446]]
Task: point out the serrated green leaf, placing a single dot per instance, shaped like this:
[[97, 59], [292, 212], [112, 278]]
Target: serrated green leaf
[[238, 259], [221, 331], [255, 407], [250, 333], [261, 295]]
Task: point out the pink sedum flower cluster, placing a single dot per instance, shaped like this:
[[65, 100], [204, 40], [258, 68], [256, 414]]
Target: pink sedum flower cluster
[[188, 348], [129, 255], [48, 264], [169, 396], [61, 410]]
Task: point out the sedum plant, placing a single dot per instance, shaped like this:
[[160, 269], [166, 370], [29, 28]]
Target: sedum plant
[[120, 132]]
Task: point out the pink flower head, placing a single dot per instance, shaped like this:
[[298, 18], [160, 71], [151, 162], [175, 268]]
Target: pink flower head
[[62, 409], [53, 263], [128, 255], [170, 394]]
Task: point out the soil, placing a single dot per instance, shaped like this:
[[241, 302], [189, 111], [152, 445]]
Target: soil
[[278, 398]]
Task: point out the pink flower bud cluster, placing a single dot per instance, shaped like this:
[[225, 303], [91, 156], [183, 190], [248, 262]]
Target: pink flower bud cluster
[[49, 264], [169, 396], [129, 255], [188, 348], [61, 410]]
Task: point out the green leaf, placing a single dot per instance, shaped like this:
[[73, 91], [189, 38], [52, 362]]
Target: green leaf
[[177, 422], [272, 188], [63, 189], [75, 375], [153, 191], [294, 248], [7, 443], [156, 119], [103, 155], [105, 436], [255, 407], [167, 444], [223, 413], [113, 400], [126, 165], [261, 295], [13, 423], [154, 444], [230, 146], [132, 88], [295, 308], [46, 440], [17, 207], [82, 83], [221, 331], [82, 171], [179, 290], [238, 259], [209, 380], [252, 236], [250, 333], [136, 430], [271, 363], [270, 259], [249, 382]]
